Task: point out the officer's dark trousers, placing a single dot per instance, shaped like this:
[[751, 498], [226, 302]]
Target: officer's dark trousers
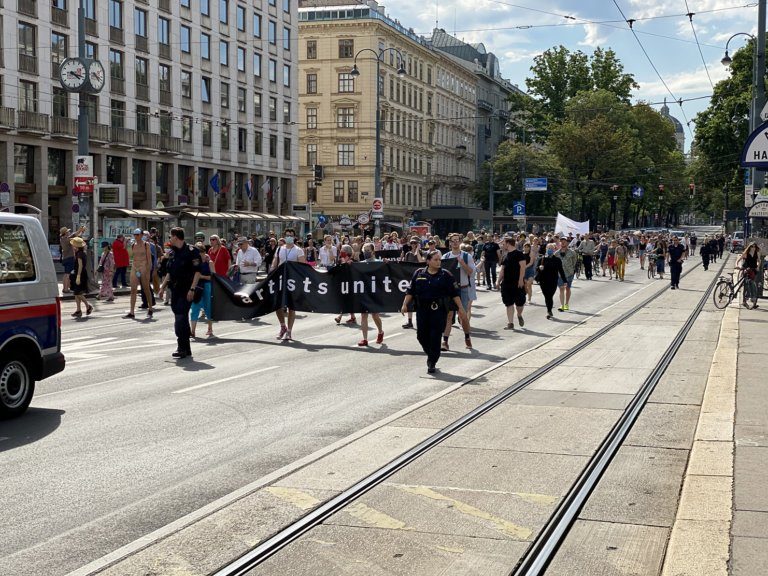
[[587, 260], [705, 260], [490, 273], [180, 308], [430, 325], [675, 268]]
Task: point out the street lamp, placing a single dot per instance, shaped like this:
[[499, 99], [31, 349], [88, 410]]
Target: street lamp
[[614, 189], [355, 72]]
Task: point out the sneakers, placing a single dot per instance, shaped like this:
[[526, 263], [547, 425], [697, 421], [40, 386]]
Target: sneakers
[[408, 324], [520, 321], [283, 332], [181, 355], [380, 338], [444, 346], [129, 315], [431, 368], [352, 321], [562, 309], [566, 308], [362, 343]]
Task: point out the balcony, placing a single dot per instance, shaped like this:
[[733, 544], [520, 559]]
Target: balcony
[[170, 145], [28, 7], [122, 137], [98, 132], [33, 122], [484, 105], [503, 114], [147, 141], [187, 148], [91, 27], [59, 17], [165, 51], [142, 44], [142, 92], [164, 5], [166, 98], [116, 35], [63, 127], [7, 118], [27, 63], [117, 85]]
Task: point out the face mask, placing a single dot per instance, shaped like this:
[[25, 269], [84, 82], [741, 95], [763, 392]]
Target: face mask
[[368, 255], [289, 240], [550, 251]]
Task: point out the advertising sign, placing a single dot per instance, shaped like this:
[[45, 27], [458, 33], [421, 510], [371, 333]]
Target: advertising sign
[[113, 227], [378, 209]]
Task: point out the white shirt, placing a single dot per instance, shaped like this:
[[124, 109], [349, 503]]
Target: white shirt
[[390, 246], [467, 259], [286, 254], [327, 255], [248, 261]]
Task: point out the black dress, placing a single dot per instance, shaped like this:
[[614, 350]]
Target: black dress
[[80, 288], [552, 266]]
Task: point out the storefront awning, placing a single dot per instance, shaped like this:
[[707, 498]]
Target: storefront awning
[[137, 213]]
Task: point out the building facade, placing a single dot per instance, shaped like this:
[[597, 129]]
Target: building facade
[[195, 88], [427, 133], [679, 131]]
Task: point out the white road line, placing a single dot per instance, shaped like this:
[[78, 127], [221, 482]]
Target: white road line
[[224, 380], [393, 335], [100, 341], [75, 339]]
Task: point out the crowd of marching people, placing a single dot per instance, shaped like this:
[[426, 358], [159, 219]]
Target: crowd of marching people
[[510, 264]]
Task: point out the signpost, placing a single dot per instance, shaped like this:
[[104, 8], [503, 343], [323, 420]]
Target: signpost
[[5, 195], [536, 185], [363, 219]]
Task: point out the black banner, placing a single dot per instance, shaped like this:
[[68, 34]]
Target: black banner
[[356, 287]]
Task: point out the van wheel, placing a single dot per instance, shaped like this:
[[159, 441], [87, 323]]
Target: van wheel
[[16, 386]]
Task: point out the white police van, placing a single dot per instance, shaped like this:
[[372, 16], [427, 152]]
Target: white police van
[[30, 312]]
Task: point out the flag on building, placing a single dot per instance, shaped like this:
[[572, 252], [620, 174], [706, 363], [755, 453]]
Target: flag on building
[[226, 187], [249, 188], [189, 183], [266, 188], [215, 183]]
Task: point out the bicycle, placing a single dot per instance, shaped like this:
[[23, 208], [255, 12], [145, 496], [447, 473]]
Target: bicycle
[[651, 266], [726, 290]]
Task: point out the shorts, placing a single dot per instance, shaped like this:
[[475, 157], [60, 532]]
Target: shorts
[[642, 253], [611, 261], [568, 281], [69, 264], [530, 273], [464, 295], [513, 296]]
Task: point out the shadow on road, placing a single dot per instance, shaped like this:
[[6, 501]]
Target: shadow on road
[[34, 425]]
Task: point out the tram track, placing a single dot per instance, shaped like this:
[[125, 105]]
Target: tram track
[[558, 525]]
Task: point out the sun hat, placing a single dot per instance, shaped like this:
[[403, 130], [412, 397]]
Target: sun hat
[[77, 242], [137, 231], [63, 229]]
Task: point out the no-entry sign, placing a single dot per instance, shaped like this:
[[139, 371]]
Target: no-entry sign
[[378, 209]]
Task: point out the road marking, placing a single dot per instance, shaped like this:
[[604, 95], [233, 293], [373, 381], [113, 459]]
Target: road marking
[[99, 341], [393, 335], [224, 380], [375, 518], [298, 498]]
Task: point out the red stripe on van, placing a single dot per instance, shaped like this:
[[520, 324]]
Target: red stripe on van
[[25, 312]]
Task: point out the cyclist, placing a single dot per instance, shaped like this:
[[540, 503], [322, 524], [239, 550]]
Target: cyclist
[[750, 264]]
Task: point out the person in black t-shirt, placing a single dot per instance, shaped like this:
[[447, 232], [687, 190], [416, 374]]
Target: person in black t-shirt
[[491, 256], [512, 284]]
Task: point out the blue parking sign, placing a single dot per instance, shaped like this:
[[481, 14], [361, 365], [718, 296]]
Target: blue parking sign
[[518, 208]]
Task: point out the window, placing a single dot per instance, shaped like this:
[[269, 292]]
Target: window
[[286, 38], [140, 22], [286, 149], [286, 112], [346, 82], [223, 53], [60, 4], [240, 12], [258, 143], [142, 77], [286, 6], [346, 48], [352, 191], [58, 47], [272, 3], [286, 75], [242, 96], [312, 118], [311, 49], [186, 129], [273, 146], [224, 95], [345, 117], [91, 51], [241, 59], [205, 46], [185, 3], [164, 74], [272, 32], [257, 65], [90, 9], [117, 114], [345, 155], [257, 25], [223, 11], [242, 140], [338, 190], [224, 134], [142, 119], [27, 40], [186, 84], [272, 70], [311, 154], [186, 43], [205, 90], [205, 9], [60, 103], [311, 191], [257, 105], [272, 109], [207, 131], [16, 261], [116, 14], [163, 31], [311, 83]]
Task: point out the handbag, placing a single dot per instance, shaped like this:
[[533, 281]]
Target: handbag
[[100, 269], [198, 295]]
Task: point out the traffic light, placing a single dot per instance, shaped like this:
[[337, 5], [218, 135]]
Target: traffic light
[[317, 171]]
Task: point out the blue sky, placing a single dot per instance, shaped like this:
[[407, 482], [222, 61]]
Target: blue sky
[[517, 30]]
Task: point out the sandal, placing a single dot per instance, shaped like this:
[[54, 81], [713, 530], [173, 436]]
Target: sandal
[[88, 310], [77, 314], [338, 319], [129, 315]]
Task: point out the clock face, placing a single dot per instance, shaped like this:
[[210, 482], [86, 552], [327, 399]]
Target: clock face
[[96, 76], [72, 74]]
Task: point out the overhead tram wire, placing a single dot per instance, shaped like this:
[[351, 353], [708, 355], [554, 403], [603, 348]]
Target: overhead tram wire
[[655, 69], [695, 37]]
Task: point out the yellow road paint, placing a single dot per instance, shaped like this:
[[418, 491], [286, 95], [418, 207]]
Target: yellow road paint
[[503, 526], [375, 518], [542, 499], [296, 497]]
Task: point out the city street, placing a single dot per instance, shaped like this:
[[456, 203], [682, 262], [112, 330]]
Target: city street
[[127, 440]]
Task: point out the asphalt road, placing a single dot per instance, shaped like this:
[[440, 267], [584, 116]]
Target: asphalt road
[[126, 439]]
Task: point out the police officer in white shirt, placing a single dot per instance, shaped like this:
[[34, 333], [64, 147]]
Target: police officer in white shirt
[[247, 261]]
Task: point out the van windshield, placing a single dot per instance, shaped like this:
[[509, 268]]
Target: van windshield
[[16, 262]]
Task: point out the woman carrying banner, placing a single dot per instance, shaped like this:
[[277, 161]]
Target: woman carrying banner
[[432, 288], [369, 255], [288, 253]]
